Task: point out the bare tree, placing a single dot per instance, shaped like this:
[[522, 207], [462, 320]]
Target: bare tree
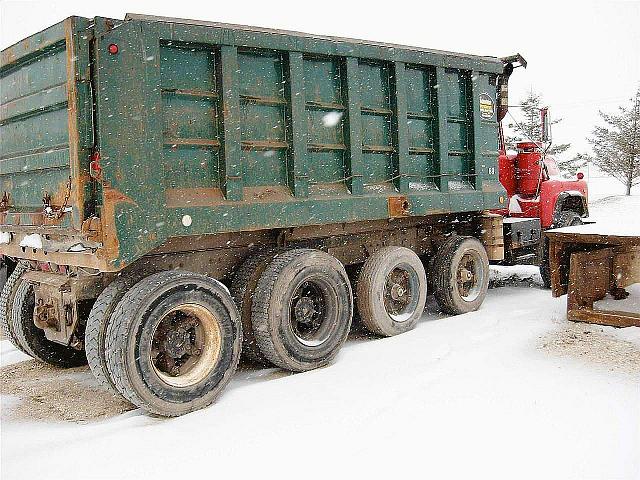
[[526, 125], [616, 146]]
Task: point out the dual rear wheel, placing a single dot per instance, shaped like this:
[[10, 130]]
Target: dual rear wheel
[[169, 344]]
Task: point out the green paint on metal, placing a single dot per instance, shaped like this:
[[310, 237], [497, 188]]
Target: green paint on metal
[[229, 70], [459, 125], [243, 129], [190, 107], [326, 115], [354, 139], [421, 120], [376, 114], [34, 132], [263, 108], [297, 169], [401, 164]]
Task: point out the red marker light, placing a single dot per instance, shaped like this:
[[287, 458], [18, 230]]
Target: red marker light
[[95, 169], [580, 175], [113, 49]]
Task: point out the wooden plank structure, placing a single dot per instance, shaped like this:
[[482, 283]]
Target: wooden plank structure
[[587, 266]]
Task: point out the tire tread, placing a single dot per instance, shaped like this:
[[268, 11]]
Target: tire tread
[[261, 303], [95, 331], [6, 300]]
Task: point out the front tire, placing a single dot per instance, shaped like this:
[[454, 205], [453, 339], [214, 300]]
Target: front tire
[[302, 309], [461, 275], [173, 342], [391, 291]]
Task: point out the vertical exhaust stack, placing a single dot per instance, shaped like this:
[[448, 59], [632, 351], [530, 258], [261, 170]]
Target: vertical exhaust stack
[[510, 63]]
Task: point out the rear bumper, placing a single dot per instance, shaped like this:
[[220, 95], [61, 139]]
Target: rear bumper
[[51, 245]]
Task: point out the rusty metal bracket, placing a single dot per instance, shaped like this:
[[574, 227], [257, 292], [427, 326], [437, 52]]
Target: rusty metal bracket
[[5, 202], [56, 302], [49, 210], [398, 206]]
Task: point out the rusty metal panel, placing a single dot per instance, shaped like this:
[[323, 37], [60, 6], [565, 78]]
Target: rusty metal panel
[[45, 126]]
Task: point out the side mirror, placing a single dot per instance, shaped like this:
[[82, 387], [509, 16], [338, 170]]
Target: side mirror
[[545, 125]]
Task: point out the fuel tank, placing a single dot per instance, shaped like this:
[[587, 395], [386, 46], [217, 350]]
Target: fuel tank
[[528, 168]]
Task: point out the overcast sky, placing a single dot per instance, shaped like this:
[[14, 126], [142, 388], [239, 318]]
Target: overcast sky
[[583, 56]]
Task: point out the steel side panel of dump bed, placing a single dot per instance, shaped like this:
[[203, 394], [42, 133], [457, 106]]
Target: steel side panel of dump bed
[[206, 128], [45, 126], [209, 128]]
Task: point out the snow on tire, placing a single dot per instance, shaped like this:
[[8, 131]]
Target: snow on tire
[[391, 291]]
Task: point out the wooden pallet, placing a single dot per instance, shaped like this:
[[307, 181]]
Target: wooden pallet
[[588, 266]]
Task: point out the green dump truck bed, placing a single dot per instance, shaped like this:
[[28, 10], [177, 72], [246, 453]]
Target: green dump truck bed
[[119, 135]]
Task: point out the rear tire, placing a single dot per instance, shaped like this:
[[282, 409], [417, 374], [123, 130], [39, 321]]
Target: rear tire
[[567, 218], [461, 275], [242, 288], [6, 304], [33, 339], [173, 342], [302, 309], [391, 291], [95, 332]]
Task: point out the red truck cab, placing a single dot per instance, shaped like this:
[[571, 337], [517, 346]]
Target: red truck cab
[[536, 188], [538, 198]]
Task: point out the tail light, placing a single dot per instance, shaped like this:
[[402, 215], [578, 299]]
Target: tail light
[[95, 170]]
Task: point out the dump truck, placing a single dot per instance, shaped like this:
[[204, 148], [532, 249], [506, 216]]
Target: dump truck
[[176, 192]]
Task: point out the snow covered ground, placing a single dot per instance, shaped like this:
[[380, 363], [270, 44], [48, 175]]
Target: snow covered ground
[[510, 391]]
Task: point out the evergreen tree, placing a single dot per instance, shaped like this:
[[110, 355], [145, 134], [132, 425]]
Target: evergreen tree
[[527, 125], [616, 145], [571, 166]]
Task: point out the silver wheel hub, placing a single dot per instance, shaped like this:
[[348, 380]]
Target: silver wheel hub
[[397, 292]]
